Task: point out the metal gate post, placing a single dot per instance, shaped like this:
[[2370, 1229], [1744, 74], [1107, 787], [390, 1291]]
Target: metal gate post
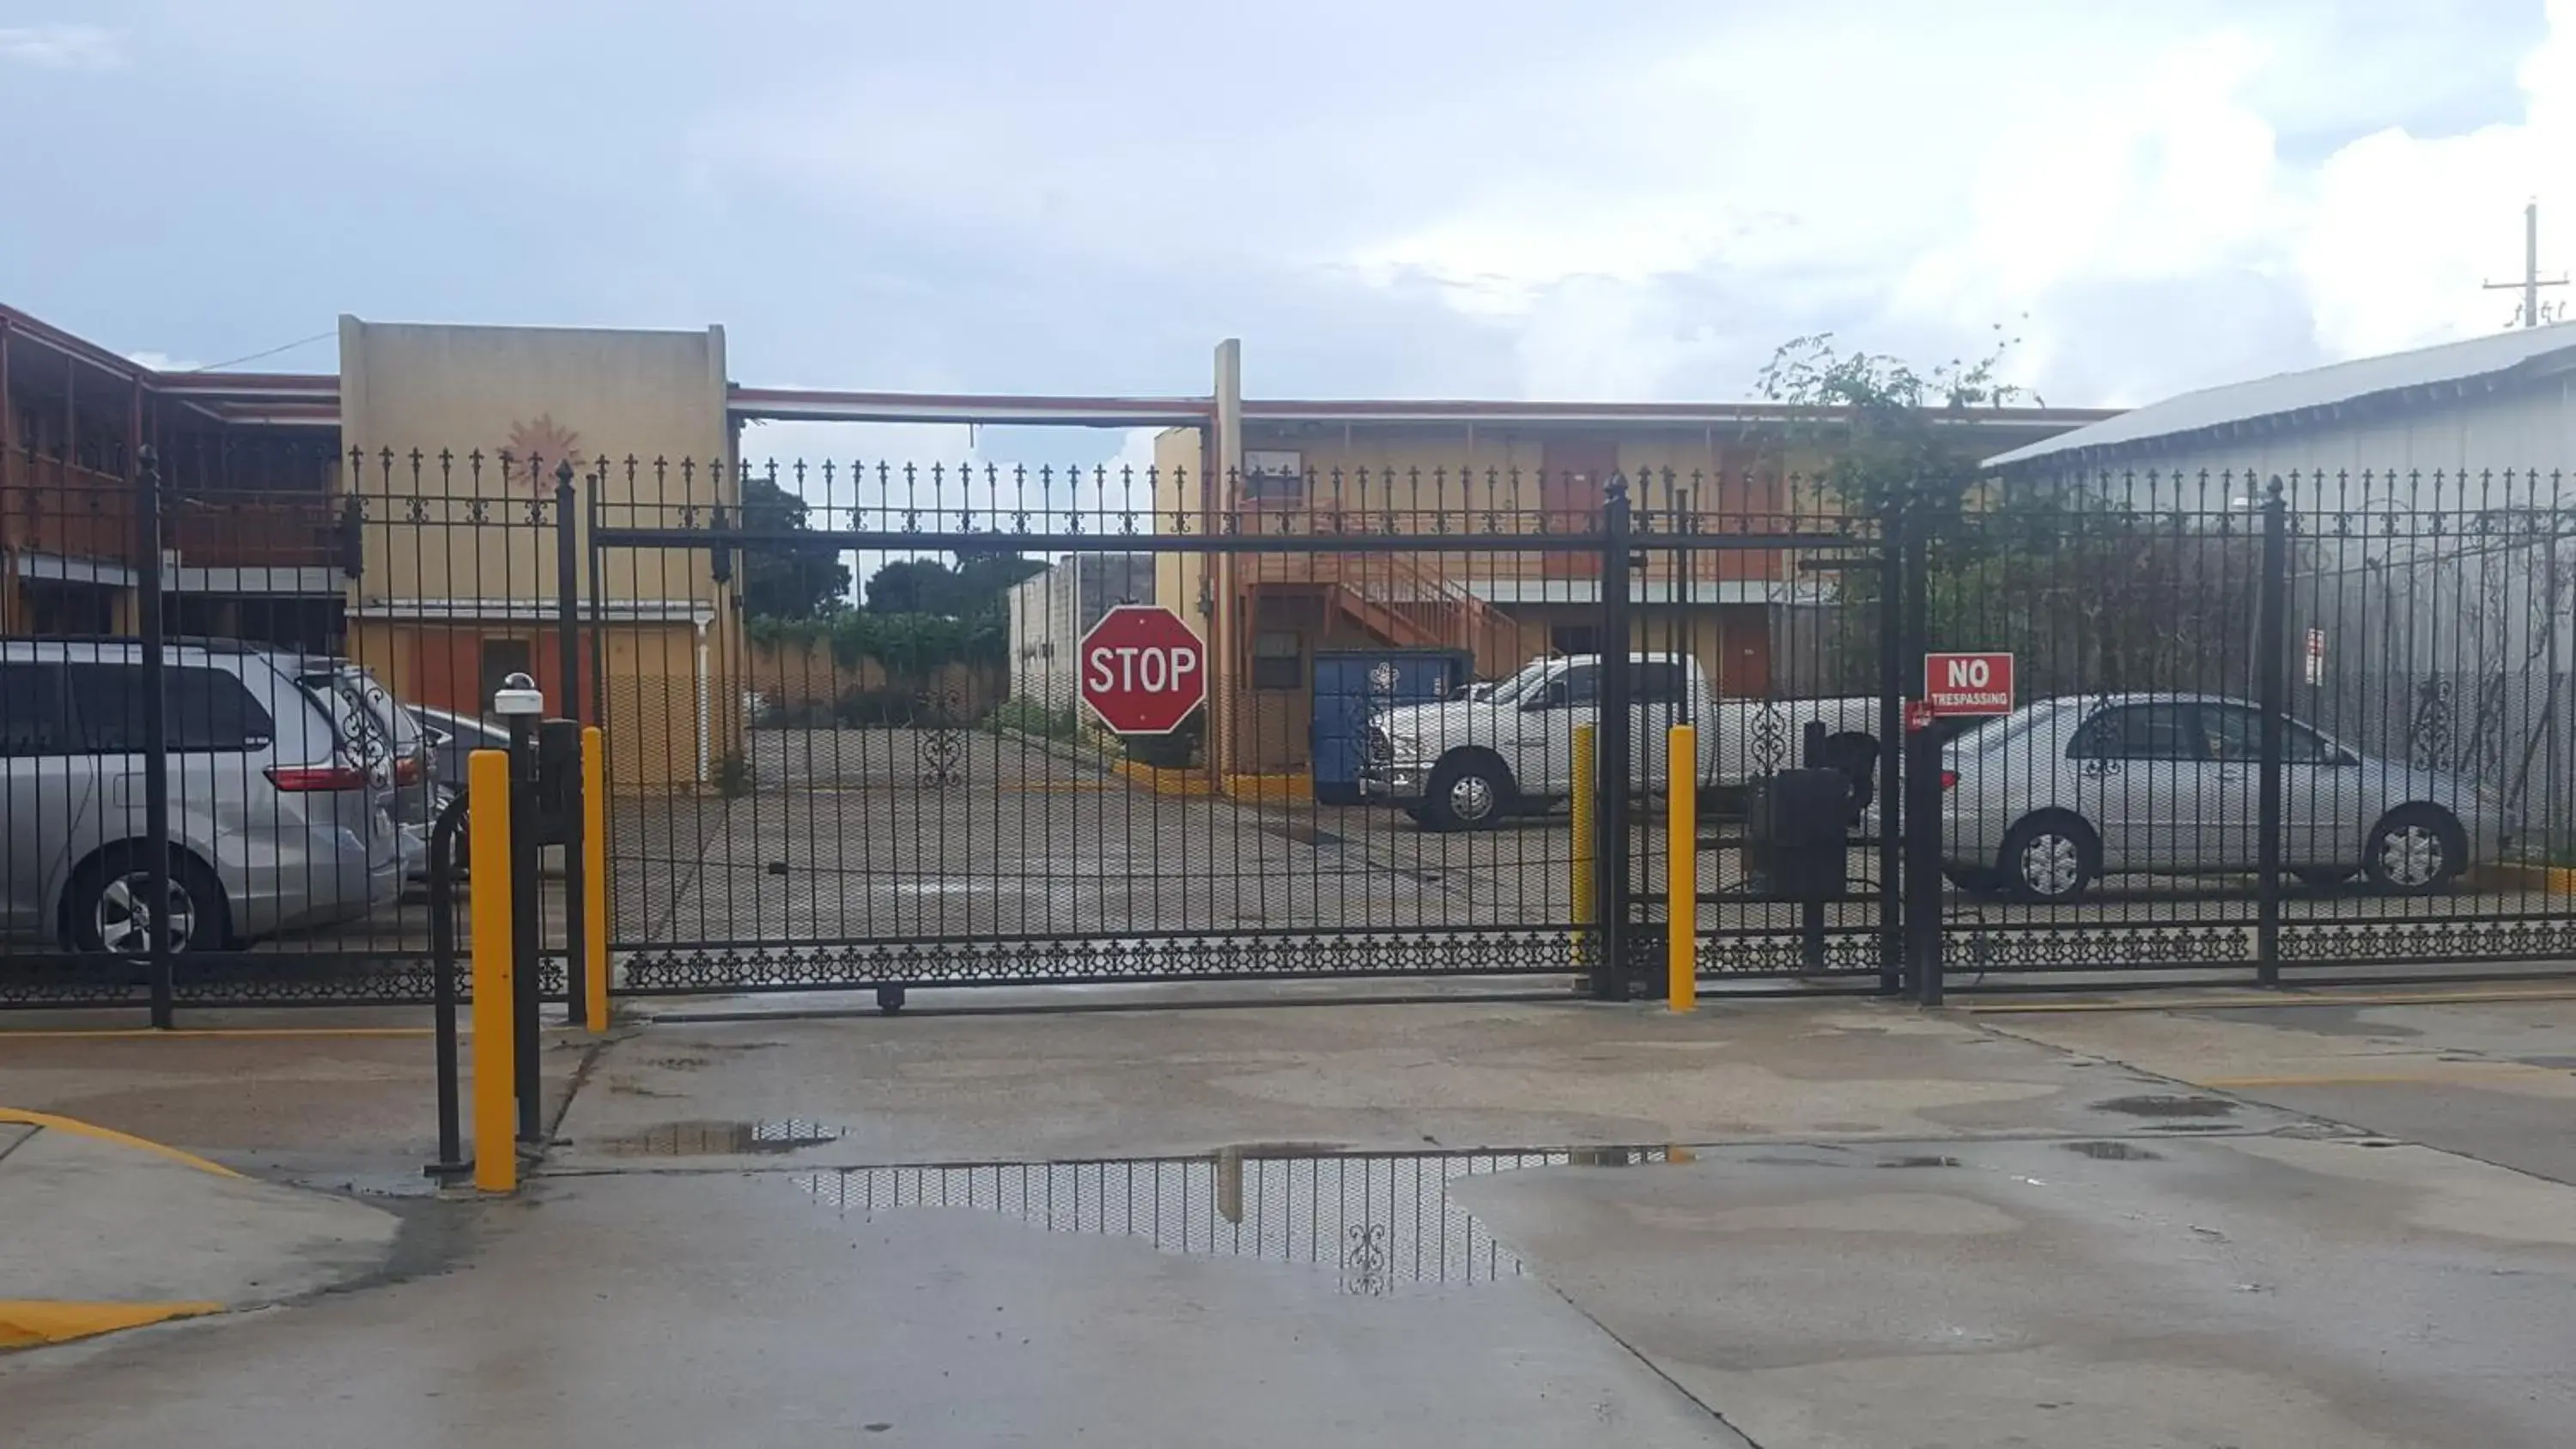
[[156, 735], [568, 674], [1922, 772], [1891, 750], [2272, 689], [1617, 771]]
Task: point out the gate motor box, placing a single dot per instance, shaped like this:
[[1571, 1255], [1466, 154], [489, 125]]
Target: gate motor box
[[1795, 847], [558, 781]]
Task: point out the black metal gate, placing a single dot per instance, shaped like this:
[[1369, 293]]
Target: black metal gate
[[910, 791]]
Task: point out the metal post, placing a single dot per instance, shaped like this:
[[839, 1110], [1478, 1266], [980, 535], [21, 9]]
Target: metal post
[[568, 672], [1587, 900], [442, 964], [2273, 687], [1618, 768], [496, 1158], [592, 903], [1922, 770], [1681, 868], [1811, 912], [525, 944], [156, 736], [1891, 750]]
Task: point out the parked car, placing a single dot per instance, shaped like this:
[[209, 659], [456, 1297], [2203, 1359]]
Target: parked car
[[274, 821], [1466, 764], [453, 738], [2045, 801], [387, 738]]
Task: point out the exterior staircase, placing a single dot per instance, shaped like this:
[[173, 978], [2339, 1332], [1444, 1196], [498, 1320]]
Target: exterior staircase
[[1410, 605]]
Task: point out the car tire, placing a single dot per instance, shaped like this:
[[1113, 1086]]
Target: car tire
[[2049, 860], [1976, 880], [1473, 793], [100, 914], [2417, 850]]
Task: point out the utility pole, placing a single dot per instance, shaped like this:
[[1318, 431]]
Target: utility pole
[[2532, 281]]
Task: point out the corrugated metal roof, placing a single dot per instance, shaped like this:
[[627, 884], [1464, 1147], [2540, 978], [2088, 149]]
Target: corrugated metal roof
[[2525, 350]]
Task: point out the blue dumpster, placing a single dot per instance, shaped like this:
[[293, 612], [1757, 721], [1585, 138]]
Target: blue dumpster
[[1351, 685]]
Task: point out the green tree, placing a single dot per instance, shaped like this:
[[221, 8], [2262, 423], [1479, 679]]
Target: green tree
[[2087, 591], [789, 580]]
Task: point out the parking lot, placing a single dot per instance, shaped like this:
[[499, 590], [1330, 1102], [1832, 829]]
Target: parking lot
[[901, 835]]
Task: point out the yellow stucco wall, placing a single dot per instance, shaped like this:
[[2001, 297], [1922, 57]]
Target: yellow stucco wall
[[602, 396], [478, 544]]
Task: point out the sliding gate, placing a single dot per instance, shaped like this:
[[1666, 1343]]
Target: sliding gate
[[887, 777]]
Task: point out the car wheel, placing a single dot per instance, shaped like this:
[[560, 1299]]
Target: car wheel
[[2049, 860], [1471, 794], [2415, 851], [1976, 880], [110, 906]]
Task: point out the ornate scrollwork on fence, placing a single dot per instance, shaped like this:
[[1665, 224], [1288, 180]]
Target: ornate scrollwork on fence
[[939, 746]]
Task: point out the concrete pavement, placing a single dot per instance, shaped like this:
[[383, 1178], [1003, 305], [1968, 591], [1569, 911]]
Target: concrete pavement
[[1793, 1223], [108, 1231]]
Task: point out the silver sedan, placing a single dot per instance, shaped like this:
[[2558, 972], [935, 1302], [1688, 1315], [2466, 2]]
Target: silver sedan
[[2041, 803]]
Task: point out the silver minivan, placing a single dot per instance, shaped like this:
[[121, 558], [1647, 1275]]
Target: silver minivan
[[274, 821], [2041, 803]]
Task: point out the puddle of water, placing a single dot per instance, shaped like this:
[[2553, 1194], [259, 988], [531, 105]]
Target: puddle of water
[[718, 1139], [2114, 1151], [1381, 1223], [2167, 1106], [1919, 1161]]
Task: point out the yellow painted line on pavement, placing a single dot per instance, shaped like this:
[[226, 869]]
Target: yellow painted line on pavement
[[2325, 997], [77, 1128], [32, 1322], [111, 1033]]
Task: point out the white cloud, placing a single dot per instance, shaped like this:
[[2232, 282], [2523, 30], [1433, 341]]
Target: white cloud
[[62, 47], [162, 361]]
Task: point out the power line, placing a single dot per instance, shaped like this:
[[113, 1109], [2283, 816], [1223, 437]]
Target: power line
[[271, 352]]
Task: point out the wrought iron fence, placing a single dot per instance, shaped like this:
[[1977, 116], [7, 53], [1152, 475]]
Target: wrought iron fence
[[2265, 732]]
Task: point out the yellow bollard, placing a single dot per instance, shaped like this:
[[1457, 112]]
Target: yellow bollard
[[496, 1150], [1583, 843], [594, 876], [1681, 868]]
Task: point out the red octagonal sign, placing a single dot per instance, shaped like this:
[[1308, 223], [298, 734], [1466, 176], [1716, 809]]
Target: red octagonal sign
[[1143, 670]]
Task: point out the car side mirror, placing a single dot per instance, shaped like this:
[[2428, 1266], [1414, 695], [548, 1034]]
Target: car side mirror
[[1552, 697]]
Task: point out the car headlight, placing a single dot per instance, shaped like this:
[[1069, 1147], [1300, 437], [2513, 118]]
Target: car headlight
[[1404, 747]]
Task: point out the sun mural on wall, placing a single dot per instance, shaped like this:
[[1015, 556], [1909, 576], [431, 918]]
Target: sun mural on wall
[[537, 446]]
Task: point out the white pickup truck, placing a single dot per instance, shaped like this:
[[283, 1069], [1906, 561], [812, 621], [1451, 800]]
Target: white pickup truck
[[1466, 764]]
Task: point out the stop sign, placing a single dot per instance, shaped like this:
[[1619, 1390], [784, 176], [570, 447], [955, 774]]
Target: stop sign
[[1143, 670]]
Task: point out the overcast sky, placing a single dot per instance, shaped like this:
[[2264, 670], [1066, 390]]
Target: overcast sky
[[1507, 198]]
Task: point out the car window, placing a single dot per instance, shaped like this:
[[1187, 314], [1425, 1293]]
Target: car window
[[2137, 732], [204, 709], [2236, 734], [1655, 682], [32, 721], [1579, 685]]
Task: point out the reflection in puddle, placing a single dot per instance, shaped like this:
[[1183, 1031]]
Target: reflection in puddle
[[1380, 1222], [718, 1139]]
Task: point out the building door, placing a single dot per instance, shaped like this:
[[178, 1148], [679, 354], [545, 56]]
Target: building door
[[1572, 474]]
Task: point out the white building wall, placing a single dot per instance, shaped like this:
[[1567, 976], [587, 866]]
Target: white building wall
[[1052, 611]]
